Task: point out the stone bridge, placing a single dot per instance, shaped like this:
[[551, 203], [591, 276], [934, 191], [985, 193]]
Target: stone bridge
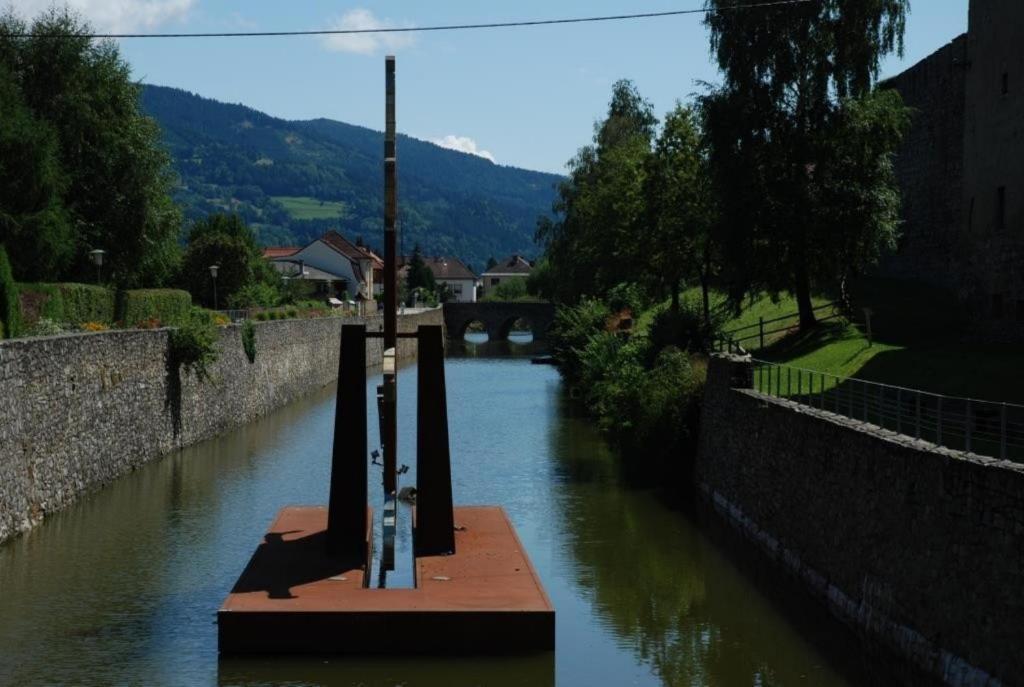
[[498, 318]]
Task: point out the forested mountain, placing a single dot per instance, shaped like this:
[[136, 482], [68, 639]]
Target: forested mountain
[[291, 180]]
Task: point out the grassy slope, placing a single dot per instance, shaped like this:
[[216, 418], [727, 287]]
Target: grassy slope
[[917, 342], [310, 208]]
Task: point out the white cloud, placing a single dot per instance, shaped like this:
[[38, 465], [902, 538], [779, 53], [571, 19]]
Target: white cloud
[[365, 43], [116, 16], [464, 144]]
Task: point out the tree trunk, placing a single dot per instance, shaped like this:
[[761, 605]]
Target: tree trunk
[[705, 301], [803, 298]]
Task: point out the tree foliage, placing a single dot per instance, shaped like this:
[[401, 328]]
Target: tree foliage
[[97, 175], [593, 243], [788, 112], [227, 242], [681, 209]]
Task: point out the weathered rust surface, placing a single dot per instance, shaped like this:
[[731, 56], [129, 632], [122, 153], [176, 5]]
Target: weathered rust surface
[[487, 598]]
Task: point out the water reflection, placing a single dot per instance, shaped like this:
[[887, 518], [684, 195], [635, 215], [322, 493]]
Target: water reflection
[[122, 588]]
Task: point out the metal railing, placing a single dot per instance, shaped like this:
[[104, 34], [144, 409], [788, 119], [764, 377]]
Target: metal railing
[[757, 336], [983, 428]]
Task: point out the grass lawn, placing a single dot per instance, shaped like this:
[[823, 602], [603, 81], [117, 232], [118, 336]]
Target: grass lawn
[[918, 341], [302, 207]]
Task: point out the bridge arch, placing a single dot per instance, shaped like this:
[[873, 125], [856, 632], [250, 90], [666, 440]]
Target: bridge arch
[[498, 318]]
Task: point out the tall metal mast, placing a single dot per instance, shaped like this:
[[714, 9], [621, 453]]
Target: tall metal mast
[[389, 391]]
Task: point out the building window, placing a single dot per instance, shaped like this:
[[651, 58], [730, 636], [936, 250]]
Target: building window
[[1001, 207], [997, 306], [1006, 83], [495, 281]]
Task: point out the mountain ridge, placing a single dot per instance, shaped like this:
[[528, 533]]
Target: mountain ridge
[[293, 179]]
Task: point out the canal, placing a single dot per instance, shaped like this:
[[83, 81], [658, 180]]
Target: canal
[[122, 588]]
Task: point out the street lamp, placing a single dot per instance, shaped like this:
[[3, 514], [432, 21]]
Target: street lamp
[[213, 273], [97, 259]]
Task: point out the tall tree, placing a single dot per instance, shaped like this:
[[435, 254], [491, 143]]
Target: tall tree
[[225, 241], [680, 209], [33, 221], [593, 244], [789, 73], [117, 175]]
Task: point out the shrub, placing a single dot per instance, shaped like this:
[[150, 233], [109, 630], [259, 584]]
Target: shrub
[[571, 332], [292, 313], [87, 303], [169, 306], [625, 296], [249, 340], [255, 295], [39, 302], [94, 327], [683, 329], [193, 343], [44, 326], [10, 309]]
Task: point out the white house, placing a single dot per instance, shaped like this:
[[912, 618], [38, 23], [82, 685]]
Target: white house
[[451, 272], [335, 263], [512, 267]]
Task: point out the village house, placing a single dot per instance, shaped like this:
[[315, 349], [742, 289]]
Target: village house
[[450, 271], [512, 267], [339, 268]]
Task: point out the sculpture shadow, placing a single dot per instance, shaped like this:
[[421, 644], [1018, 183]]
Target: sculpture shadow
[[280, 564]]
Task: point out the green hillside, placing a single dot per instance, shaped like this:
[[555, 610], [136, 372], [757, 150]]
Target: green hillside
[[276, 174]]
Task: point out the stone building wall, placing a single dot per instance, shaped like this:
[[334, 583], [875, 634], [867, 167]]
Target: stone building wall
[[961, 170], [78, 411], [994, 163], [929, 167], [919, 549]]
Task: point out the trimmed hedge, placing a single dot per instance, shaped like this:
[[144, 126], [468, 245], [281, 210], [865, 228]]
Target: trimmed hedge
[[87, 303], [40, 301], [10, 309], [169, 307]]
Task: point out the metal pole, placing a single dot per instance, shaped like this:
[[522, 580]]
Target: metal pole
[[899, 411], [390, 279], [917, 416], [215, 293], [1002, 432], [968, 426], [864, 388], [761, 330]]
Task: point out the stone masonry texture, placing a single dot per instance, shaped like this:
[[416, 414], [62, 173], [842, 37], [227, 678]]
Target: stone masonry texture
[[918, 548], [78, 411]]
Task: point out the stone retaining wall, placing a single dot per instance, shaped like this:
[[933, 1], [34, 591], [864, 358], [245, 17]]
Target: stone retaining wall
[[78, 411], [919, 549]]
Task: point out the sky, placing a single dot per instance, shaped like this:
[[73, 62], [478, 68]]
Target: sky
[[526, 97]]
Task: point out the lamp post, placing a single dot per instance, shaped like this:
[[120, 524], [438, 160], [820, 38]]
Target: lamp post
[[213, 273], [97, 259]]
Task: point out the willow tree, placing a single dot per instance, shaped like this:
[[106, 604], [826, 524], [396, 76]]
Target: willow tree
[[786, 130]]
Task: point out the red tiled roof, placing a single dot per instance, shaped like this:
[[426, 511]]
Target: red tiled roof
[[514, 264], [443, 267], [349, 249], [271, 252]]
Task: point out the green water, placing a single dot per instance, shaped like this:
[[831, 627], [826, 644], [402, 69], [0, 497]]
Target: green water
[[122, 588]]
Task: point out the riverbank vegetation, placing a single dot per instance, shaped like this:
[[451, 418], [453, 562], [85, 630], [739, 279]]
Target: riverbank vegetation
[[774, 189]]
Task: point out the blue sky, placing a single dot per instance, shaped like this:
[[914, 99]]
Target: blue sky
[[526, 97]]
